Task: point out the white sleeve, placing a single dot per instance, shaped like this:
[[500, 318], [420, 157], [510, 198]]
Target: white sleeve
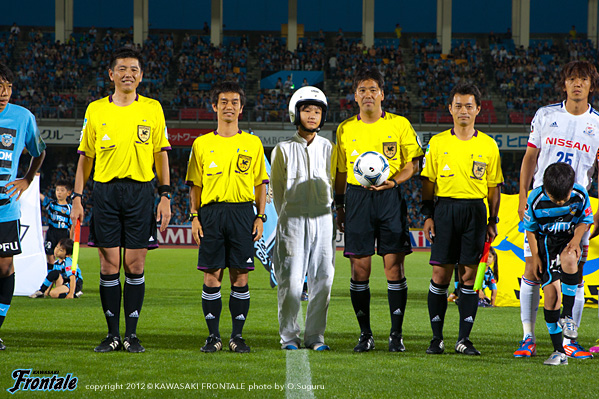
[[536, 126], [278, 177]]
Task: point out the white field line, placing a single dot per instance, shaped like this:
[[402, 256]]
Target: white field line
[[298, 370]]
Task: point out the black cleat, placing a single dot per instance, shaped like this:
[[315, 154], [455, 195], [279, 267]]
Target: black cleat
[[109, 344], [437, 347], [132, 344], [237, 344], [213, 344], [466, 347], [396, 342], [365, 343]]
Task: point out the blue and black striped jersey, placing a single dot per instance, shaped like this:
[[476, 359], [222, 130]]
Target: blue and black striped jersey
[[546, 217], [59, 215]]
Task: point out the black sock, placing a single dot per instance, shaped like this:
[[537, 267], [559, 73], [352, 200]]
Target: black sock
[[50, 266], [555, 331], [360, 299], [239, 305], [110, 295], [7, 289], [468, 306], [50, 279], [437, 307], [569, 288], [133, 300], [397, 293], [212, 304]]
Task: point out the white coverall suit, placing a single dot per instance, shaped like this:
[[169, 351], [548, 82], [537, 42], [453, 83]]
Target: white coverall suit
[[302, 184]]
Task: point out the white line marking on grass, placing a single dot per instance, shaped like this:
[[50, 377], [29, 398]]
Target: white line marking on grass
[[298, 370]]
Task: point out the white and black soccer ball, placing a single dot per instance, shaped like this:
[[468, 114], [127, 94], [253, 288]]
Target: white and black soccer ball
[[371, 169]]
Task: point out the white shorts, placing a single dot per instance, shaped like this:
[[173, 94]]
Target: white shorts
[[584, 242]]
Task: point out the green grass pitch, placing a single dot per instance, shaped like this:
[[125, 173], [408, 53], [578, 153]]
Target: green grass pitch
[[59, 335]]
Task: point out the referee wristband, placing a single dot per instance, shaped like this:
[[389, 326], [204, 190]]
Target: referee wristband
[[164, 189], [75, 195], [427, 209], [339, 201]]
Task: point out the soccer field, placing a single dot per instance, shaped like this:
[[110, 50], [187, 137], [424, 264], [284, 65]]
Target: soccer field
[[59, 336]]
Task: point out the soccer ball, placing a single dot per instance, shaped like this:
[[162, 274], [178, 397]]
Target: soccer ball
[[371, 169]]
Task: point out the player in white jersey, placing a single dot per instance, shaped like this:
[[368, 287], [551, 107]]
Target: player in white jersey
[[564, 132], [302, 184]]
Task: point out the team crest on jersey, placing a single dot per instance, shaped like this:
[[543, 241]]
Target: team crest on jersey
[[6, 140], [478, 169], [390, 149], [243, 163], [143, 133], [590, 130]]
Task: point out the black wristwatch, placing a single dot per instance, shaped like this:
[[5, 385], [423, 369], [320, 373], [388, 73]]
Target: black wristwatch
[[167, 195], [192, 216], [75, 195], [494, 219], [261, 217]]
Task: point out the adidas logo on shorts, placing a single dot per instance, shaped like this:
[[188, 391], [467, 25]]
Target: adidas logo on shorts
[[249, 260]]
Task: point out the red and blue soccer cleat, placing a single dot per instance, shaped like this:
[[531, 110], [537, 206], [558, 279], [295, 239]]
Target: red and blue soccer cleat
[[527, 348], [575, 351]]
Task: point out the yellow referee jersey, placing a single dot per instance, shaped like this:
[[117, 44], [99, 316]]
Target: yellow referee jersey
[[462, 169], [123, 140], [227, 168], [392, 135]]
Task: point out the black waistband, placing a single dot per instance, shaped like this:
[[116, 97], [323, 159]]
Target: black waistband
[[462, 200]]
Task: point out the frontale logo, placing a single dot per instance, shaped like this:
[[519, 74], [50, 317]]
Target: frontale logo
[[24, 381]]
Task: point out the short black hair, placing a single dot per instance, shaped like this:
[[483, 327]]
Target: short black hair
[[228, 86], [65, 184], [558, 180], [465, 89], [6, 74], [67, 244], [368, 74], [126, 52]]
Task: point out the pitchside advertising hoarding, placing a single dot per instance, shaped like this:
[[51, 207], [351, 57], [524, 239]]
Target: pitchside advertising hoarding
[[178, 137]]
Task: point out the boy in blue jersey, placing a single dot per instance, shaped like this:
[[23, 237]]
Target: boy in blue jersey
[[556, 216], [59, 219], [18, 130], [69, 281]]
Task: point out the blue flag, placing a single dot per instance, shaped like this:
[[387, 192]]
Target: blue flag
[[264, 246]]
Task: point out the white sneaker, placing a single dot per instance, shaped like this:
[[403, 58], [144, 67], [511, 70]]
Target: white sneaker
[[37, 294], [557, 359], [569, 327]]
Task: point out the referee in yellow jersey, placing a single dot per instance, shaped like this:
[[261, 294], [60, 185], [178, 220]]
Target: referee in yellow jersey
[[378, 214], [227, 174], [461, 168], [126, 135]]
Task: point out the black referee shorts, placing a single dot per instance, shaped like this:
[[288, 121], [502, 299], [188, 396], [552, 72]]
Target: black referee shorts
[[10, 238], [375, 217], [460, 228], [228, 239], [123, 215], [53, 235]]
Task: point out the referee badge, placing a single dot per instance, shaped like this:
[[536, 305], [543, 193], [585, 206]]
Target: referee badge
[[243, 162], [390, 149], [478, 169], [143, 133]]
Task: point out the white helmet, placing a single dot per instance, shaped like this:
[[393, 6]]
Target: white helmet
[[307, 95]]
